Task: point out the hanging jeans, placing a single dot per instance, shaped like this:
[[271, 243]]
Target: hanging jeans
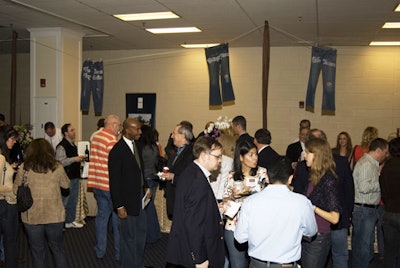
[[218, 65], [325, 59], [92, 81]]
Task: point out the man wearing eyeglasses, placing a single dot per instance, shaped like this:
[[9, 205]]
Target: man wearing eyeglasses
[[177, 162], [196, 238]]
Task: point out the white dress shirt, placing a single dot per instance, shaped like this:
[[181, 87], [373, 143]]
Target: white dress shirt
[[56, 139], [273, 222]]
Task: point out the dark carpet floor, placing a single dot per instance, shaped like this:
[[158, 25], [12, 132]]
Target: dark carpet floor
[[79, 245]]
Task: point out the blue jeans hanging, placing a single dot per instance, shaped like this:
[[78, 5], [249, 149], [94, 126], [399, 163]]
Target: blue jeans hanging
[[218, 65], [92, 81], [325, 59]]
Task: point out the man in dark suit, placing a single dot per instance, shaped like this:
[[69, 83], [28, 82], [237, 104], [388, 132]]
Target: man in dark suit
[[266, 155], [196, 238], [294, 150], [177, 162], [300, 183], [126, 188], [239, 125]]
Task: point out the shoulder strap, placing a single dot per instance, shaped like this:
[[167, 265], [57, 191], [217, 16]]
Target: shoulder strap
[[24, 180], [4, 172]]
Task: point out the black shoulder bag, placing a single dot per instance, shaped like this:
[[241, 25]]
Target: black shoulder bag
[[24, 195]]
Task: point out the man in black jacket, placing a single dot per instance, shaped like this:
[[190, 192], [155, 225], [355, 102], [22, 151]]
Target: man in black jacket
[[67, 154], [177, 162], [266, 155], [127, 188], [196, 238]]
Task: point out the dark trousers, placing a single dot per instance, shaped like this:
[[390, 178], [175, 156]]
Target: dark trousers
[[92, 82], [41, 235], [133, 240], [218, 67], [391, 232], [322, 59], [315, 254], [255, 263], [8, 229]]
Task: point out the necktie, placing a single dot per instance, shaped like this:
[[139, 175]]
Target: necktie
[[136, 153]]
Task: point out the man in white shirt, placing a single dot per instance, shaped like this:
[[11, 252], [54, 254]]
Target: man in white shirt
[[274, 221], [52, 134]]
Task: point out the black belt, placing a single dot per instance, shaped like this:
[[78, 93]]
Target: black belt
[[269, 263], [366, 205]]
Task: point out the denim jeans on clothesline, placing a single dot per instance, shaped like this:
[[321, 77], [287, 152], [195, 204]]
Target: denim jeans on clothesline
[[325, 59], [92, 81], [218, 66]]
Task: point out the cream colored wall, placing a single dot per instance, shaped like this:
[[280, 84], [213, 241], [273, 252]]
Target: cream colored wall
[[22, 115], [46, 67], [70, 85], [367, 89]]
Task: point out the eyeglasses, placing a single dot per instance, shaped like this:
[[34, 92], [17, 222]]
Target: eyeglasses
[[216, 156]]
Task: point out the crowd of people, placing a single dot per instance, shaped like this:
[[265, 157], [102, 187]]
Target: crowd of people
[[232, 199]]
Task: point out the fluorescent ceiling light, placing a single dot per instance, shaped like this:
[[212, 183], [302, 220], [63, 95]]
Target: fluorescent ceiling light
[[391, 25], [385, 43], [199, 45], [96, 35], [397, 9], [147, 16], [173, 30]]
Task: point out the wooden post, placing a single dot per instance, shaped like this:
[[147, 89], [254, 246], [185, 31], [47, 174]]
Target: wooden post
[[13, 91], [265, 74]]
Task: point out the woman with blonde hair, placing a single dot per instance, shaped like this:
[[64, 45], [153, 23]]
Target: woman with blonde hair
[[323, 193], [369, 134], [44, 221]]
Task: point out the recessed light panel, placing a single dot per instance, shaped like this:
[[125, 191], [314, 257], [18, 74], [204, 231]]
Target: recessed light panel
[[147, 16], [173, 30], [199, 45], [385, 43]]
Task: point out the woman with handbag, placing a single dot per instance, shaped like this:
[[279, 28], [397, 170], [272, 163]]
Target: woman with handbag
[[44, 221], [8, 208]]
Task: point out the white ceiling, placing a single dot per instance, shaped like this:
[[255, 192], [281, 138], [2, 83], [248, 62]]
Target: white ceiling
[[239, 22]]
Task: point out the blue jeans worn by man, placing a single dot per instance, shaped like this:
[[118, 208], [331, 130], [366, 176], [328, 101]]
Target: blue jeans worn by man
[[218, 66], [325, 59], [133, 241], [92, 81], [41, 235], [104, 212], [364, 220], [71, 200], [315, 253]]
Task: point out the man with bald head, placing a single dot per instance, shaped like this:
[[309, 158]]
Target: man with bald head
[[98, 179], [127, 187]]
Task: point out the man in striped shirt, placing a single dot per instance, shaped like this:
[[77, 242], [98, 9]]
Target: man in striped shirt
[[98, 180]]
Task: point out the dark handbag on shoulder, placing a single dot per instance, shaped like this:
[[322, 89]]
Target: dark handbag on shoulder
[[24, 195]]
